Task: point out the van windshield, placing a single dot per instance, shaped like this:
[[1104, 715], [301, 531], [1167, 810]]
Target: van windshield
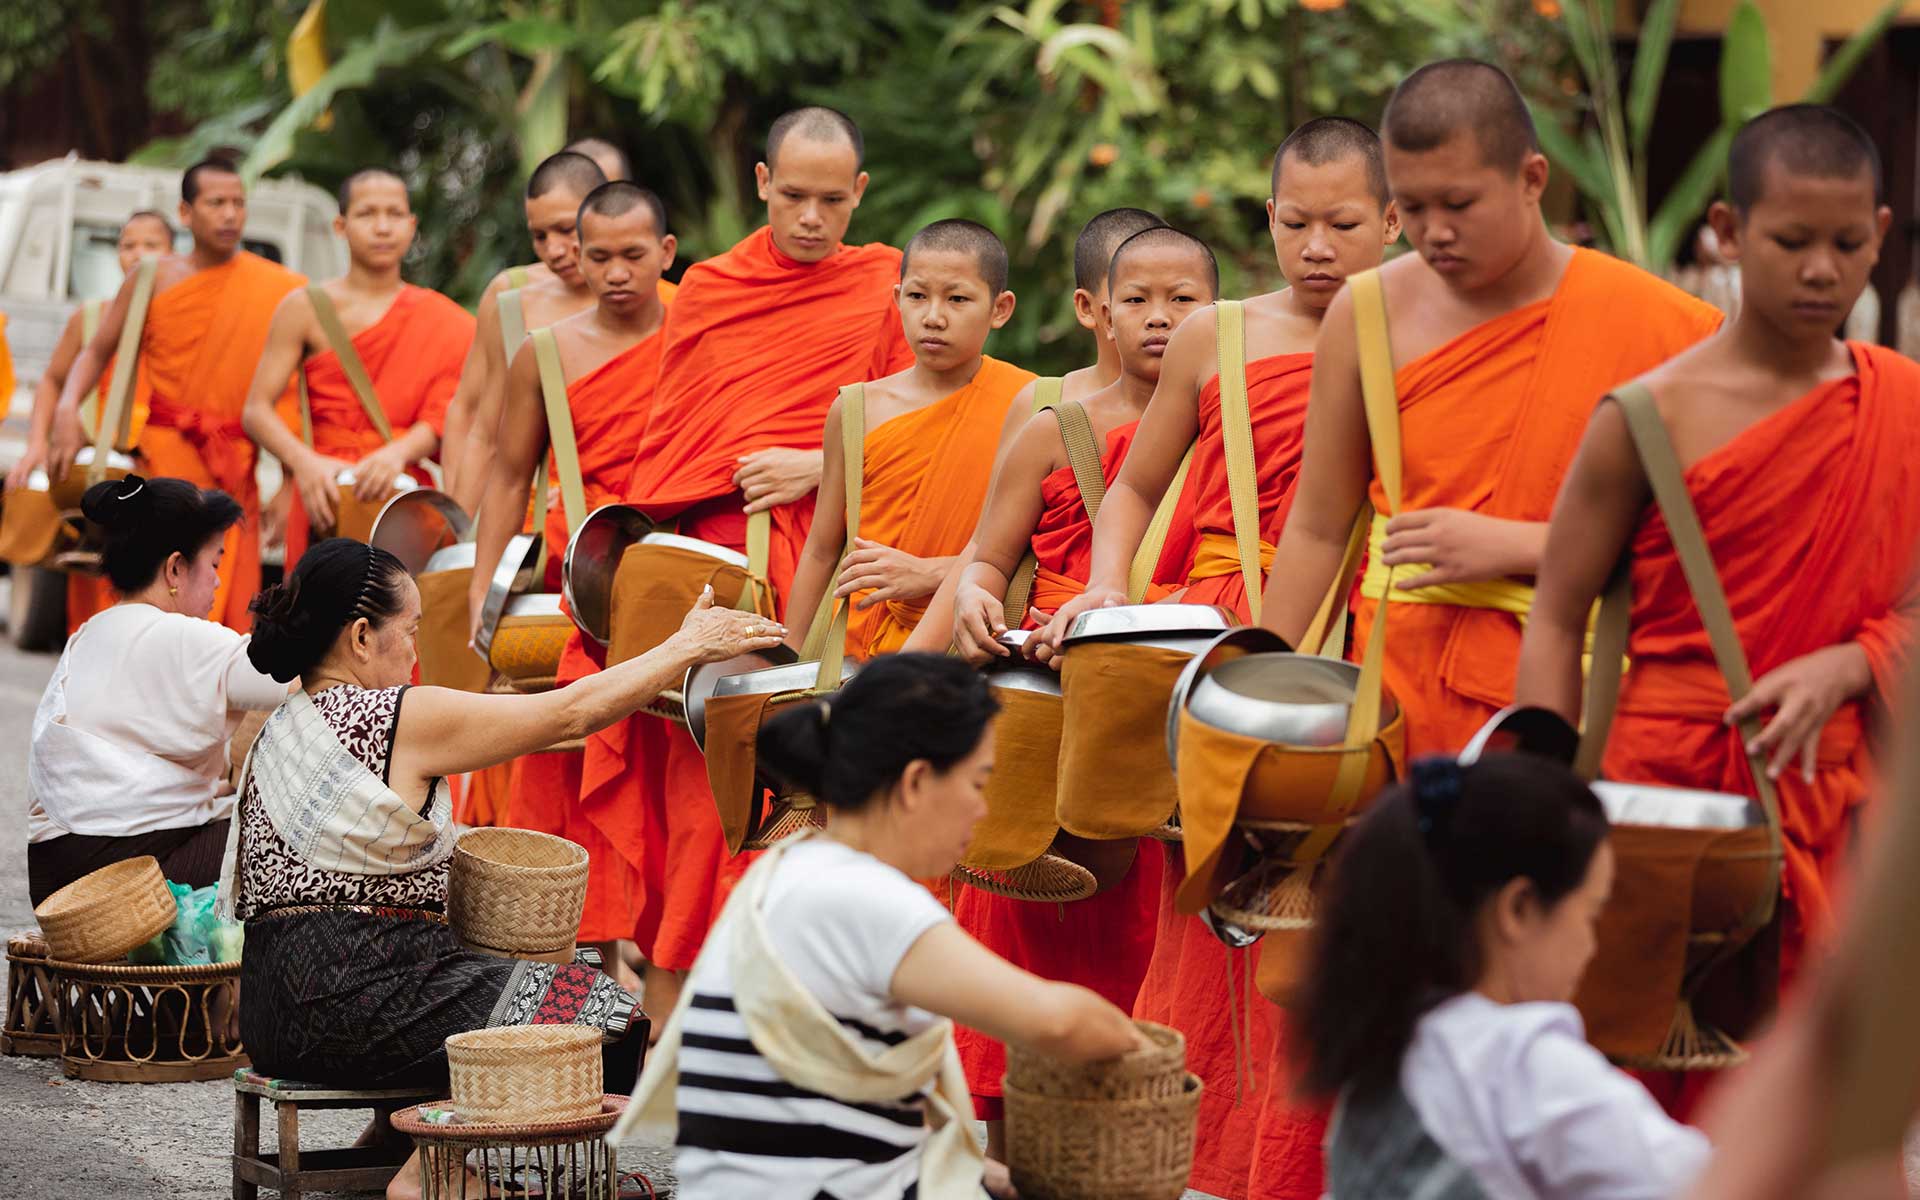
[[94, 270]]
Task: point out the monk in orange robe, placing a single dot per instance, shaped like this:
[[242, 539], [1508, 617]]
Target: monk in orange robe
[[933, 433], [1802, 457], [1157, 279], [1502, 339], [205, 328], [410, 341], [756, 345], [145, 235]]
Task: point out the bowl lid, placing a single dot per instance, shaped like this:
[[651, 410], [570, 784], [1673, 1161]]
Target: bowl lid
[[1141, 622]]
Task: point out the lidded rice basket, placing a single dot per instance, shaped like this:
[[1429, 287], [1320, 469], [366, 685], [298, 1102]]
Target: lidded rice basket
[[1115, 1130], [101, 916], [526, 1074], [517, 893]]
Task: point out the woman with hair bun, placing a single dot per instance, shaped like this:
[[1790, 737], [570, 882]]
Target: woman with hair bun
[[338, 862], [129, 745], [812, 1050]]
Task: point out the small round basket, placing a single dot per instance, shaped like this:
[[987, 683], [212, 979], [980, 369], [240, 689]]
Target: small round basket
[[1064, 1149], [99, 917], [1149, 1073], [526, 1074], [518, 893]]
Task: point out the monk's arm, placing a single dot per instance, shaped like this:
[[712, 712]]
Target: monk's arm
[[373, 475], [503, 505], [1335, 469], [467, 440], [1593, 519], [46, 394], [286, 346], [826, 537], [1005, 534], [67, 436]]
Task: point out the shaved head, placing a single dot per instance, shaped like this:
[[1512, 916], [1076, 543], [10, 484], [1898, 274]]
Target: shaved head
[[816, 124], [612, 160], [361, 176], [1100, 237], [147, 214], [1330, 139], [1805, 139], [1443, 100], [617, 198], [1165, 237], [964, 237], [575, 172], [211, 165]]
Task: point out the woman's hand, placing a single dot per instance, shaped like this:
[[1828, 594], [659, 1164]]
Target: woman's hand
[[1804, 693], [1461, 546], [979, 617], [373, 475], [710, 634], [31, 460], [319, 493], [770, 478], [888, 574]]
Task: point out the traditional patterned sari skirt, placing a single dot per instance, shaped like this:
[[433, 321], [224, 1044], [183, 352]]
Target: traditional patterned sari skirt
[[366, 997]]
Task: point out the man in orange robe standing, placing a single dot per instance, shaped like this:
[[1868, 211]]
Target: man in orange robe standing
[[1330, 216], [932, 435], [757, 343], [206, 326], [1502, 340], [1802, 457], [610, 358], [410, 340]]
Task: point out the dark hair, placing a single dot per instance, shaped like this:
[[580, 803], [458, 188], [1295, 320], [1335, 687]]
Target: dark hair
[[565, 169], [816, 123], [1462, 95], [345, 194], [148, 521], [1395, 933], [964, 237], [1166, 235], [1100, 237], [847, 748], [147, 214], [598, 147], [1806, 139], [190, 181], [1328, 139], [336, 582], [617, 198]]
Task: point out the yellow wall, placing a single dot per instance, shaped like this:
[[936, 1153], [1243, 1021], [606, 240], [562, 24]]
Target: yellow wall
[[1799, 29]]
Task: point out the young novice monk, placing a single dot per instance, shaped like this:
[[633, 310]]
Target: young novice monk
[[409, 339], [932, 435], [610, 358], [1501, 340], [1157, 279], [1330, 217], [1802, 457]]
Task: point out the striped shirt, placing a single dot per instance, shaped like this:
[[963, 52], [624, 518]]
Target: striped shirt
[[843, 921]]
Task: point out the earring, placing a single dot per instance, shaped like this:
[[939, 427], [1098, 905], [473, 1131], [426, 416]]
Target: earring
[[173, 591]]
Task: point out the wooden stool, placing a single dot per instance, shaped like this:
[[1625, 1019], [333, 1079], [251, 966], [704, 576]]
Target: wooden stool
[[32, 1025], [355, 1169]]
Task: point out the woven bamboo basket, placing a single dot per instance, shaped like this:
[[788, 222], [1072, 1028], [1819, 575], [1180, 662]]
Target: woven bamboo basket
[[99, 917], [1098, 1149], [526, 1074], [517, 892], [1150, 1073]]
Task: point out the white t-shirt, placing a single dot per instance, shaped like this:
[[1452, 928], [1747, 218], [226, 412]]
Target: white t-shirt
[[842, 920], [131, 734], [1516, 1094]]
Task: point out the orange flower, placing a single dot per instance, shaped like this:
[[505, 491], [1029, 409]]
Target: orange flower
[[1322, 5], [1550, 9], [1201, 198], [1103, 154]]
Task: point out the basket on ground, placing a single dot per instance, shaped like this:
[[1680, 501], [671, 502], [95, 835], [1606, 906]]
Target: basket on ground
[[101, 916], [517, 893], [526, 1074], [32, 1025]]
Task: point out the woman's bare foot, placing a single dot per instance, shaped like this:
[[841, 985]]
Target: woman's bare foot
[[458, 1182]]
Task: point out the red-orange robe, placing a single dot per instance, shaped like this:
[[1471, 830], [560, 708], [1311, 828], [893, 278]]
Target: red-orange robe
[[1489, 422], [413, 355], [1812, 518], [1277, 401], [202, 340], [926, 478], [1103, 942], [756, 345]]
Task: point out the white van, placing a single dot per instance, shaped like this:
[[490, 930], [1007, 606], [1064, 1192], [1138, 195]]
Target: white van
[[59, 226]]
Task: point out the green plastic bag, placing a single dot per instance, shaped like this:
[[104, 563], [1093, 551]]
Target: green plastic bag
[[196, 937]]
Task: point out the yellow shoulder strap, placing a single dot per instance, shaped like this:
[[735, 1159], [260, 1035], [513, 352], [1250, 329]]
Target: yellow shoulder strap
[[513, 321], [1046, 395], [566, 454], [853, 460], [1236, 432], [116, 422], [356, 371], [1147, 557]]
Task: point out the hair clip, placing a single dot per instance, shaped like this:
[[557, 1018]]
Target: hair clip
[[1436, 793], [826, 712], [139, 485]]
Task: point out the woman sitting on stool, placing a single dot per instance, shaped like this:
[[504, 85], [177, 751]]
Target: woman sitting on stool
[[129, 749]]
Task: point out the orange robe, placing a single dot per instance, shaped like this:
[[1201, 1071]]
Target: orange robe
[[1812, 520], [413, 355], [755, 347], [926, 478], [1103, 942], [202, 340], [1489, 422], [1277, 402]]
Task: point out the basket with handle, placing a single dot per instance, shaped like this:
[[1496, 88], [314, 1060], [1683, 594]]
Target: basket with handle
[[526, 1074], [99, 917], [517, 893]]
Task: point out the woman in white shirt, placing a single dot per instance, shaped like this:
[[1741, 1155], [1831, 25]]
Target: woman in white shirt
[[1459, 920], [811, 1054], [129, 744]]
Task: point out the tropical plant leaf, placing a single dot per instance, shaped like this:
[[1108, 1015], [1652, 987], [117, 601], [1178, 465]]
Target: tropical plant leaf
[[1838, 69], [529, 36], [1588, 171], [1746, 66], [1687, 199], [389, 47], [1649, 69]]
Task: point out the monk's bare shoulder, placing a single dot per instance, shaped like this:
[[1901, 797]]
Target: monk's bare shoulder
[[1704, 367], [174, 269], [1276, 326], [1038, 445]]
